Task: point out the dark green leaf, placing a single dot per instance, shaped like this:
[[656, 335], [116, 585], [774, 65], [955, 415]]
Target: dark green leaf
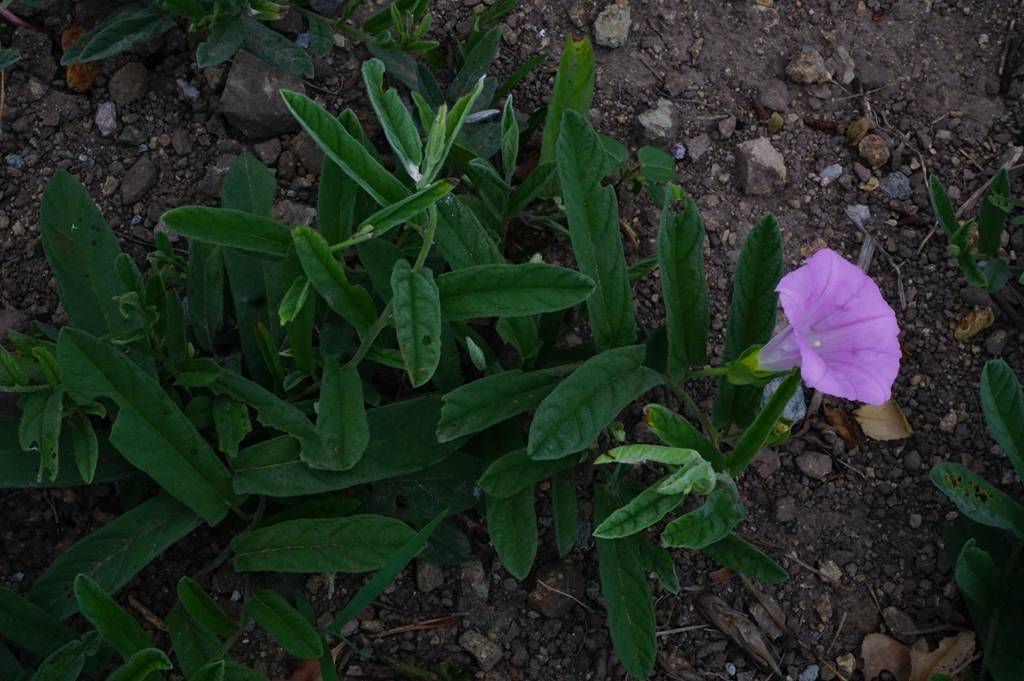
[[513, 472], [709, 523], [8, 58], [512, 524], [194, 645], [150, 431], [328, 277], [321, 35], [751, 316], [336, 202], [565, 510], [638, 513], [86, 447], [992, 215], [113, 622], [81, 250], [358, 543], [18, 472], [293, 300], [510, 290], [943, 208], [231, 419], [66, 664], [493, 399], [225, 39], [272, 612], [49, 435], [134, 24], [626, 594], [114, 553], [227, 227], [205, 280], [400, 212], [275, 49], [659, 561], [1003, 402], [203, 609], [140, 665], [395, 119], [573, 91], [742, 557], [593, 213], [681, 259], [211, 672], [536, 183], [676, 431], [978, 499], [476, 63], [461, 238], [417, 311], [573, 415], [28, 626], [755, 437], [341, 415]]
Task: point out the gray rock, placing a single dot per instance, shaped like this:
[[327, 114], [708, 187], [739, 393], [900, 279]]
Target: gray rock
[[474, 577], [699, 146], [139, 179], [215, 173], [767, 463], [553, 583], [182, 142], [612, 26], [128, 84], [810, 673], [831, 172], [900, 625], [36, 53], [327, 8], [844, 69], [251, 100], [11, 319], [106, 118], [487, 652], [291, 213], [995, 344], [760, 167], [859, 214], [268, 151], [659, 124], [785, 510], [678, 151], [774, 94], [726, 127], [814, 465], [896, 186], [309, 153], [187, 90], [808, 68], [428, 577], [14, 160], [678, 81], [796, 409]]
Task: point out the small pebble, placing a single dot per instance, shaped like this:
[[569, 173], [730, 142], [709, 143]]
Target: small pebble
[[14, 160]]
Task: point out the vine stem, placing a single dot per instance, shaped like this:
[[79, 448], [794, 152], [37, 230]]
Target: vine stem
[[990, 640]]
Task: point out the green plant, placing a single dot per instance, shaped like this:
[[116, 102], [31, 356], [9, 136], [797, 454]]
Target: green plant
[[985, 544], [976, 243], [388, 363]]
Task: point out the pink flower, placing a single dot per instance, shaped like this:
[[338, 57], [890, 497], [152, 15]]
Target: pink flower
[[842, 334]]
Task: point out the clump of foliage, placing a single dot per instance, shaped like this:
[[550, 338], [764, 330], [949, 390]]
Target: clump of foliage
[[345, 391], [976, 243], [985, 544]]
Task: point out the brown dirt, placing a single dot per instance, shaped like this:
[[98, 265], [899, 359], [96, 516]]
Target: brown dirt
[[931, 78]]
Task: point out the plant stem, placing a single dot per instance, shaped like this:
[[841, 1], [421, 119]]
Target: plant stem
[[383, 320], [428, 239], [695, 411], [990, 640], [708, 371]]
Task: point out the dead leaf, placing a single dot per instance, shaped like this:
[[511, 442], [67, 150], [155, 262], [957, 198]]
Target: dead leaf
[[883, 422], [310, 669], [856, 130], [950, 657], [884, 653], [740, 629], [80, 77], [721, 575], [845, 427], [973, 323]]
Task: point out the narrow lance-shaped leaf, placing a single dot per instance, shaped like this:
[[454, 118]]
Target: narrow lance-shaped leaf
[[675, 431], [493, 399], [565, 510], [639, 513], [275, 49], [476, 62], [417, 311], [681, 260], [228, 227], [751, 315], [978, 499], [592, 210], [992, 216], [742, 557], [513, 472], [510, 290], [341, 415], [394, 119], [328, 277], [573, 91], [1003, 403], [117, 627], [711, 522], [512, 524], [142, 665], [403, 211], [573, 415], [205, 283], [755, 437], [30, 627], [272, 612], [203, 609], [67, 662]]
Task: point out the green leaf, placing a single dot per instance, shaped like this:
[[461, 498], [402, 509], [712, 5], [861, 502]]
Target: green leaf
[[476, 62], [763, 427], [9, 58], [675, 431], [293, 301], [274, 467], [751, 316], [638, 513], [659, 561], [227, 227], [573, 91], [744, 558], [394, 118], [231, 419], [592, 210], [536, 183], [978, 499], [358, 543], [981, 582], [387, 574], [321, 35], [490, 400], [113, 622], [30, 627], [336, 202], [344, 150], [151, 432], [681, 260], [943, 208], [341, 415], [119, 32], [633, 454], [49, 435], [66, 664], [656, 165], [140, 665], [565, 510], [513, 472], [211, 672], [328, 277], [417, 311], [512, 524], [510, 290], [81, 250], [1003, 403], [113, 554], [272, 612], [225, 39], [509, 140], [626, 594], [709, 523], [403, 211], [378, 258], [461, 238], [267, 44], [203, 609], [86, 446], [17, 471], [194, 645], [573, 415], [992, 216], [205, 282]]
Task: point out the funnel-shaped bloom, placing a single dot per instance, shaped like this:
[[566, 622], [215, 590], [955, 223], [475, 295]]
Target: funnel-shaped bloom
[[842, 334]]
